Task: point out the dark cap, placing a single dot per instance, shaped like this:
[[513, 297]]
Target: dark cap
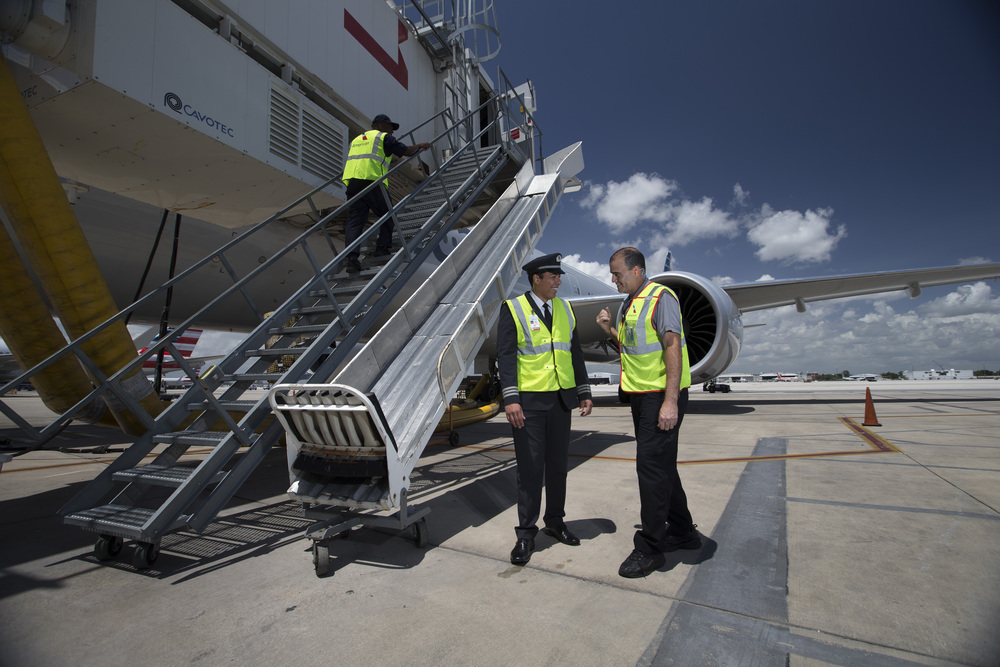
[[544, 263], [382, 118]]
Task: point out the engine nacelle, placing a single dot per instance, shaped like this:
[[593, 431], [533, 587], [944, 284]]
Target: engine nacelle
[[713, 325]]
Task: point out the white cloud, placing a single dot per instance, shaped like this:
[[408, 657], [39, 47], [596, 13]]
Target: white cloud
[[594, 269], [969, 261], [648, 198], [767, 277], [643, 197], [791, 236], [741, 197], [693, 221], [956, 330], [966, 300], [723, 280], [648, 202]]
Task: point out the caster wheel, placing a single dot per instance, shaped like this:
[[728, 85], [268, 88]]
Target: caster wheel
[[107, 547], [321, 558], [453, 438], [145, 555], [420, 534]]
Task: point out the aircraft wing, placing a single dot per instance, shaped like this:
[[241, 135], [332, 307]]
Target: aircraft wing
[[759, 296]]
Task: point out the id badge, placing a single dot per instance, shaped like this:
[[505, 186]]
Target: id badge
[[630, 337], [534, 323]]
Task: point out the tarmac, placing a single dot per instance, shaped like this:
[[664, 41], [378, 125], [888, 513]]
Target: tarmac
[[825, 542]]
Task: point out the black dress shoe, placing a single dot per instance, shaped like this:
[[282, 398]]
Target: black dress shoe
[[688, 540], [563, 535], [639, 564], [521, 553]]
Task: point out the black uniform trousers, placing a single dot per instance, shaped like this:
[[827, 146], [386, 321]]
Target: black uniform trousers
[[357, 216], [542, 452], [660, 492]]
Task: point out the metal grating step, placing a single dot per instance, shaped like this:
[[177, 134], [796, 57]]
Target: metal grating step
[[199, 438], [161, 475], [113, 518], [235, 406]]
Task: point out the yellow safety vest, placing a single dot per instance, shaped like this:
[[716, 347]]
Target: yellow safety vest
[[643, 368], [544, 360], [366, 159]]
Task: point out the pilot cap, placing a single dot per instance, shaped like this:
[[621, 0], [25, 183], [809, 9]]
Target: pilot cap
[[544, 263], [382, 118]]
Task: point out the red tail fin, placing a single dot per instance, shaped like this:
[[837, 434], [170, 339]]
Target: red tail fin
[[185, 344]]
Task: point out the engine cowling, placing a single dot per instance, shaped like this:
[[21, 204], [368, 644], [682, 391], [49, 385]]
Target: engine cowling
[[713, 325]]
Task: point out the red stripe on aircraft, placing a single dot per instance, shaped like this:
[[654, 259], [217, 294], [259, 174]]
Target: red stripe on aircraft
[[397, 68]]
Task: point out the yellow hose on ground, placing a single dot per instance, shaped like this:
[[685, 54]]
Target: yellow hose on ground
[[58, 251]]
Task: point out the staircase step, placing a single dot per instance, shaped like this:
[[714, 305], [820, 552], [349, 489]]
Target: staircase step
[[298, 330], [114, 519], [197, 438], [275, 352], [235, 406], [162, 475]]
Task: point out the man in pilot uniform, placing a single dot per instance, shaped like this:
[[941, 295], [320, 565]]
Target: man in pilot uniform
[[543, 377]]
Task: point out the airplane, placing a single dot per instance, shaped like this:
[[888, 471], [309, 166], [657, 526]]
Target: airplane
[[185, 345], [222, 147], [779, 377], [235, 119]]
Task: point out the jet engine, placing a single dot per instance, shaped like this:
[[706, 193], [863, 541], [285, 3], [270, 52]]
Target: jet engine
[[713, 325]]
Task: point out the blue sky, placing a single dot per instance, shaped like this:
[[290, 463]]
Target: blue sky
[[783, 139]]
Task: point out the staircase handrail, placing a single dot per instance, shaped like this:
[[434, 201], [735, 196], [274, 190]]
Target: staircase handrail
[[166, 342]]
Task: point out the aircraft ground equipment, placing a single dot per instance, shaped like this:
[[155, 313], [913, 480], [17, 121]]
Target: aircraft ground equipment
[[344, 456], [315, 332], [414, 365]]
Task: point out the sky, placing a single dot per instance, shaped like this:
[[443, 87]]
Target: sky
[[781, 139]]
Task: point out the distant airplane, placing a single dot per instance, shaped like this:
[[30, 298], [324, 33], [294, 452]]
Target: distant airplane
[[172, 376]]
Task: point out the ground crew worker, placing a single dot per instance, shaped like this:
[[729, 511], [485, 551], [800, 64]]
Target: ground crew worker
[[656, 375], [367, 161], [543, 377]]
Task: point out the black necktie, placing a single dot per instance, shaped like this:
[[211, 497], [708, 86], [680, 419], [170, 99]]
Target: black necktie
[[548, 316]]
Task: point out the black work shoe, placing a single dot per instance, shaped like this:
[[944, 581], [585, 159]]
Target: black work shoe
[[353, 266], [639, 564], [688, 540], [521, 553], [563, 534]]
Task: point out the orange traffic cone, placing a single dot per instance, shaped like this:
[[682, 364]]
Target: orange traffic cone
[[870, 418]]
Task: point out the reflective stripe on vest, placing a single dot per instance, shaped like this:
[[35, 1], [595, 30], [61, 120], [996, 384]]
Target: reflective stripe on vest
[[544, 360], [366, 159], [643, 367]]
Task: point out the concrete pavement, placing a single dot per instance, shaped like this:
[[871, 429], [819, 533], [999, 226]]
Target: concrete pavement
[[824, 543]]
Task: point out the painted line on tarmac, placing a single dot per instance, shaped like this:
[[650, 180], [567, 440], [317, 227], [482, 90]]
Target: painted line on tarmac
[[877, 444]]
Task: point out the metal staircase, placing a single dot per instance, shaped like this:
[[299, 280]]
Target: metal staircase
[[353, 443], [312, 334]]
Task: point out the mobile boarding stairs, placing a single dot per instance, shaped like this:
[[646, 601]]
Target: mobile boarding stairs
[[385, 399]]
